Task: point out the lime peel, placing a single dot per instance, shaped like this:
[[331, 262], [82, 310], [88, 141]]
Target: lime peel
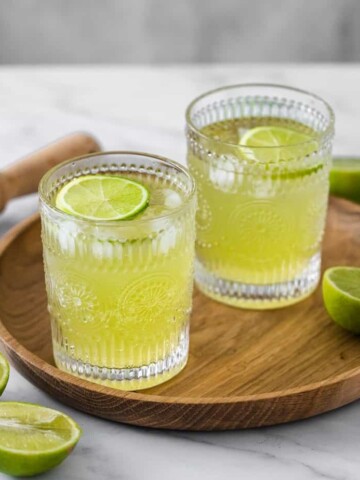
[[34, 439], [102, 197], [273, 144], [341, 293], [345, 178], [4, 373]]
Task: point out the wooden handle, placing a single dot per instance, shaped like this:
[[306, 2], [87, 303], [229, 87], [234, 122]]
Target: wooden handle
[[23, 176]]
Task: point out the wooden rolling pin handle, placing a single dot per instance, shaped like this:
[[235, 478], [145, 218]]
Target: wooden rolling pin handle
[[23, 176]]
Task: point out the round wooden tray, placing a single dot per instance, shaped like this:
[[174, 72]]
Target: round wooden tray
[[246, 368]]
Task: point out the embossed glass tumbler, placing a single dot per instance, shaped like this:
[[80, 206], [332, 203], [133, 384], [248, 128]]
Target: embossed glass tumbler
[[260, 155], [120, 292]]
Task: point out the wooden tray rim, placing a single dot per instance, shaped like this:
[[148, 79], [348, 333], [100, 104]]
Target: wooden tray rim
[[10, 342]]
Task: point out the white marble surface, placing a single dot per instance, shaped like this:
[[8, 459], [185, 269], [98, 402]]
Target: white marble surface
[[143, 109]]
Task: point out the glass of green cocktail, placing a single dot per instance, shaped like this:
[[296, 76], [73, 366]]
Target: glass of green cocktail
[[118, 235], [260, 155]]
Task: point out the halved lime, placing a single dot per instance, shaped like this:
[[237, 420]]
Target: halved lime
[[297, 144], [102, 197], [34, 439], [345, 178], [4, 373], [341, 292]]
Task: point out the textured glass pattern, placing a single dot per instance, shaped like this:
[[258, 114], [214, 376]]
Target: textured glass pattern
[[119, 293], [260, 223]]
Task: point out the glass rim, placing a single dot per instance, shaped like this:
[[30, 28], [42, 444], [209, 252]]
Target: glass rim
[[118, 223], [327, 132]]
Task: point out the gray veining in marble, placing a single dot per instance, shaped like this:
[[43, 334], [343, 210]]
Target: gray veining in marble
[[143, 108]]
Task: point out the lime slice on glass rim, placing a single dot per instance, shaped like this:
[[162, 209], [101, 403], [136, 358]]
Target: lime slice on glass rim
[[290, 143], [345, 178], [4, 373], [34, 439], [341, 293], [102, 197]]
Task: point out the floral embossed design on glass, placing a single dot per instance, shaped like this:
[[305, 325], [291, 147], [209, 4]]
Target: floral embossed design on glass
[[260, 155], [120, 292]]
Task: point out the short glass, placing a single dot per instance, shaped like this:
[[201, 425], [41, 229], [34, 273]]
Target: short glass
[[120, 292], [261, 210]]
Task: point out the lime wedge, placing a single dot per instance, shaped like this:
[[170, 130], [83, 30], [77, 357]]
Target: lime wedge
[[34, 439], [341, 292], [297, 144], [4, 373], [345, 178], [102, 197]]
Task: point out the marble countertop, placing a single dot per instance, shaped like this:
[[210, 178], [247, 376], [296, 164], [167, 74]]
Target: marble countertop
[[142, 108]]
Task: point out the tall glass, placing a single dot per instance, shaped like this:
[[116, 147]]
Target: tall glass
[[120, 292], [261, 210]]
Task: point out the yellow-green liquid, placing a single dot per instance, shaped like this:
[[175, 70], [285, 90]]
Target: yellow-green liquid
[[120, 299], [257, 225]]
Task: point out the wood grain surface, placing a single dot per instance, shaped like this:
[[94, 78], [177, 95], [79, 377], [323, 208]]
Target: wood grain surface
[[246, 368], [23, 176]]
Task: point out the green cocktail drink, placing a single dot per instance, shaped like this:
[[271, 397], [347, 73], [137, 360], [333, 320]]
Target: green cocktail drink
[[119, 291], [260, 156]]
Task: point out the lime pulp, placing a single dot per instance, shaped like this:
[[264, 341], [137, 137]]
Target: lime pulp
[[34, 439], [341, 293], [102, 197], [290, 143]]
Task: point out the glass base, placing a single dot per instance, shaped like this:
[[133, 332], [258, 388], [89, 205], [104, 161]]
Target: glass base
[[132, 378], [259, 297]]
